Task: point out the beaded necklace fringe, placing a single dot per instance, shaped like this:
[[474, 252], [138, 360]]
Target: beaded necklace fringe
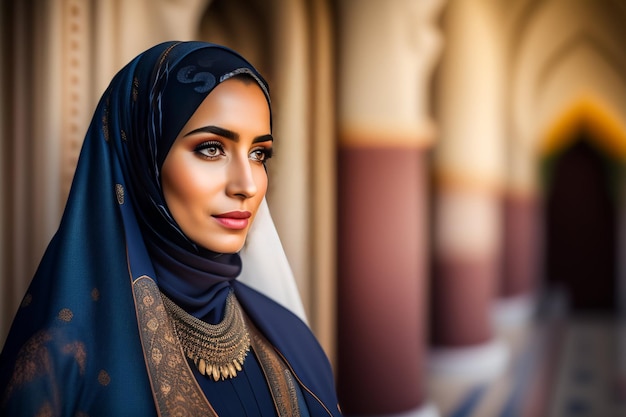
[[218, 350]]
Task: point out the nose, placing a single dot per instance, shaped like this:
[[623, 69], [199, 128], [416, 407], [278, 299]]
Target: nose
[[241, 181]]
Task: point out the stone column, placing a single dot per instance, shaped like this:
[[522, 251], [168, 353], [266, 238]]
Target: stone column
[[386, 53], [469, 167], [521, 246]]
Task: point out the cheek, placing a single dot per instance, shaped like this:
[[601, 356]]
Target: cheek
[[173, 183], [183, 185]]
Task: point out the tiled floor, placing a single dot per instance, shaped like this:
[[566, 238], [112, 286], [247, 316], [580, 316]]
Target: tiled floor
[[559, 367], [590, 376]]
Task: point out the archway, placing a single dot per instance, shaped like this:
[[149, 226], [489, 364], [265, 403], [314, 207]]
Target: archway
[[581, 232], [581, 176]]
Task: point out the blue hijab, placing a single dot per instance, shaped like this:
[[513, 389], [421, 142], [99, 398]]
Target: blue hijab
[[89, 336]]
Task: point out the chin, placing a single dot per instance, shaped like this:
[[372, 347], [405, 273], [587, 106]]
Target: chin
[[229, 251], [228, 248]]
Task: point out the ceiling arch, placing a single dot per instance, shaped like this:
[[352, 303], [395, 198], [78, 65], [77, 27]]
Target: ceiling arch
[[560, 49], [588, 113], [572, 45]]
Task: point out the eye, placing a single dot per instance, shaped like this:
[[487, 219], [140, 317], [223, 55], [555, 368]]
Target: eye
[[261, 154], [210, 150]]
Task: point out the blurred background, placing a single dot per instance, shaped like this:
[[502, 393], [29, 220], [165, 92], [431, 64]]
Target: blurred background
[[448, 181]]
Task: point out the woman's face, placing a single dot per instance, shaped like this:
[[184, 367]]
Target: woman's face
[[214, 177]]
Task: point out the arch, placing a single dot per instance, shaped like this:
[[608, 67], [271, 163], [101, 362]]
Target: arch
[[607, 129], [581, 225], [581, 156], [545, 45]]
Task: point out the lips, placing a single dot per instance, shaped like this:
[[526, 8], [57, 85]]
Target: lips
[[235, 220], [234, 215]]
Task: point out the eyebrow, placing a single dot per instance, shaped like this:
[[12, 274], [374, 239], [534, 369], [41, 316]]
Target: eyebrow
[[228, 134]]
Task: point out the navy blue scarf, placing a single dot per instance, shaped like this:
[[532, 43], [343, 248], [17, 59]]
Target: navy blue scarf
[[75, 346]]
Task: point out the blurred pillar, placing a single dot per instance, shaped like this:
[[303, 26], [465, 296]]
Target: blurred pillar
[[520, 259], [386, 54], [469, 168], [466, 269]]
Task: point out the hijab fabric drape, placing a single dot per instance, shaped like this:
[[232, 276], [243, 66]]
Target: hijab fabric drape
[[89, 336]]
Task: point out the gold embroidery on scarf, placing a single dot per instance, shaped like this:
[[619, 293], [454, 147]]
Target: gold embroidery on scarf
[[176, 390], [66, 315], [119, 192], [157, 356], [166, 53], [45, 410], [33, 360], [77, 350], [95, 294], [123, 134], [279, 378], [135, 92], [148, 300], [105, 120], [104, 378], [34, 363]]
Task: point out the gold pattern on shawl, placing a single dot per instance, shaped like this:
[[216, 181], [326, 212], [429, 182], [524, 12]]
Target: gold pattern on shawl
[[45, 410], [28, 298], [148, 300], [77, 349], [119, 193], [104, 378], [95, 294], [36, 362], [33, 360], [279, 378], [176, 390], [105, 120], [153, 324], [157, 356], [66, 315], [123, 134], [166, 53], [135, 92]]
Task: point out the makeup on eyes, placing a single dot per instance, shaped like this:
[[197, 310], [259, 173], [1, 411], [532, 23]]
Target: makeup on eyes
[[266, 151], [204, 146]]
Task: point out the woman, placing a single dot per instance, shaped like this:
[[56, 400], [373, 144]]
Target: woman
[[135, 309]]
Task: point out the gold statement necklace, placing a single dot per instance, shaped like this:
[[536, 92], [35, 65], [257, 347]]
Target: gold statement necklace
[[217, 350]]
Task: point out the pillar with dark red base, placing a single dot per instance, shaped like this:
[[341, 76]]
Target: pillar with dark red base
[[385, 130], [381, 313]]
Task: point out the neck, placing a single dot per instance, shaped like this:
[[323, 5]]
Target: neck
[[197, 282]]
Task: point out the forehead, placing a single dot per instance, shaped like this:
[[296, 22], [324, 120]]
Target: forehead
[[235, 102]]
